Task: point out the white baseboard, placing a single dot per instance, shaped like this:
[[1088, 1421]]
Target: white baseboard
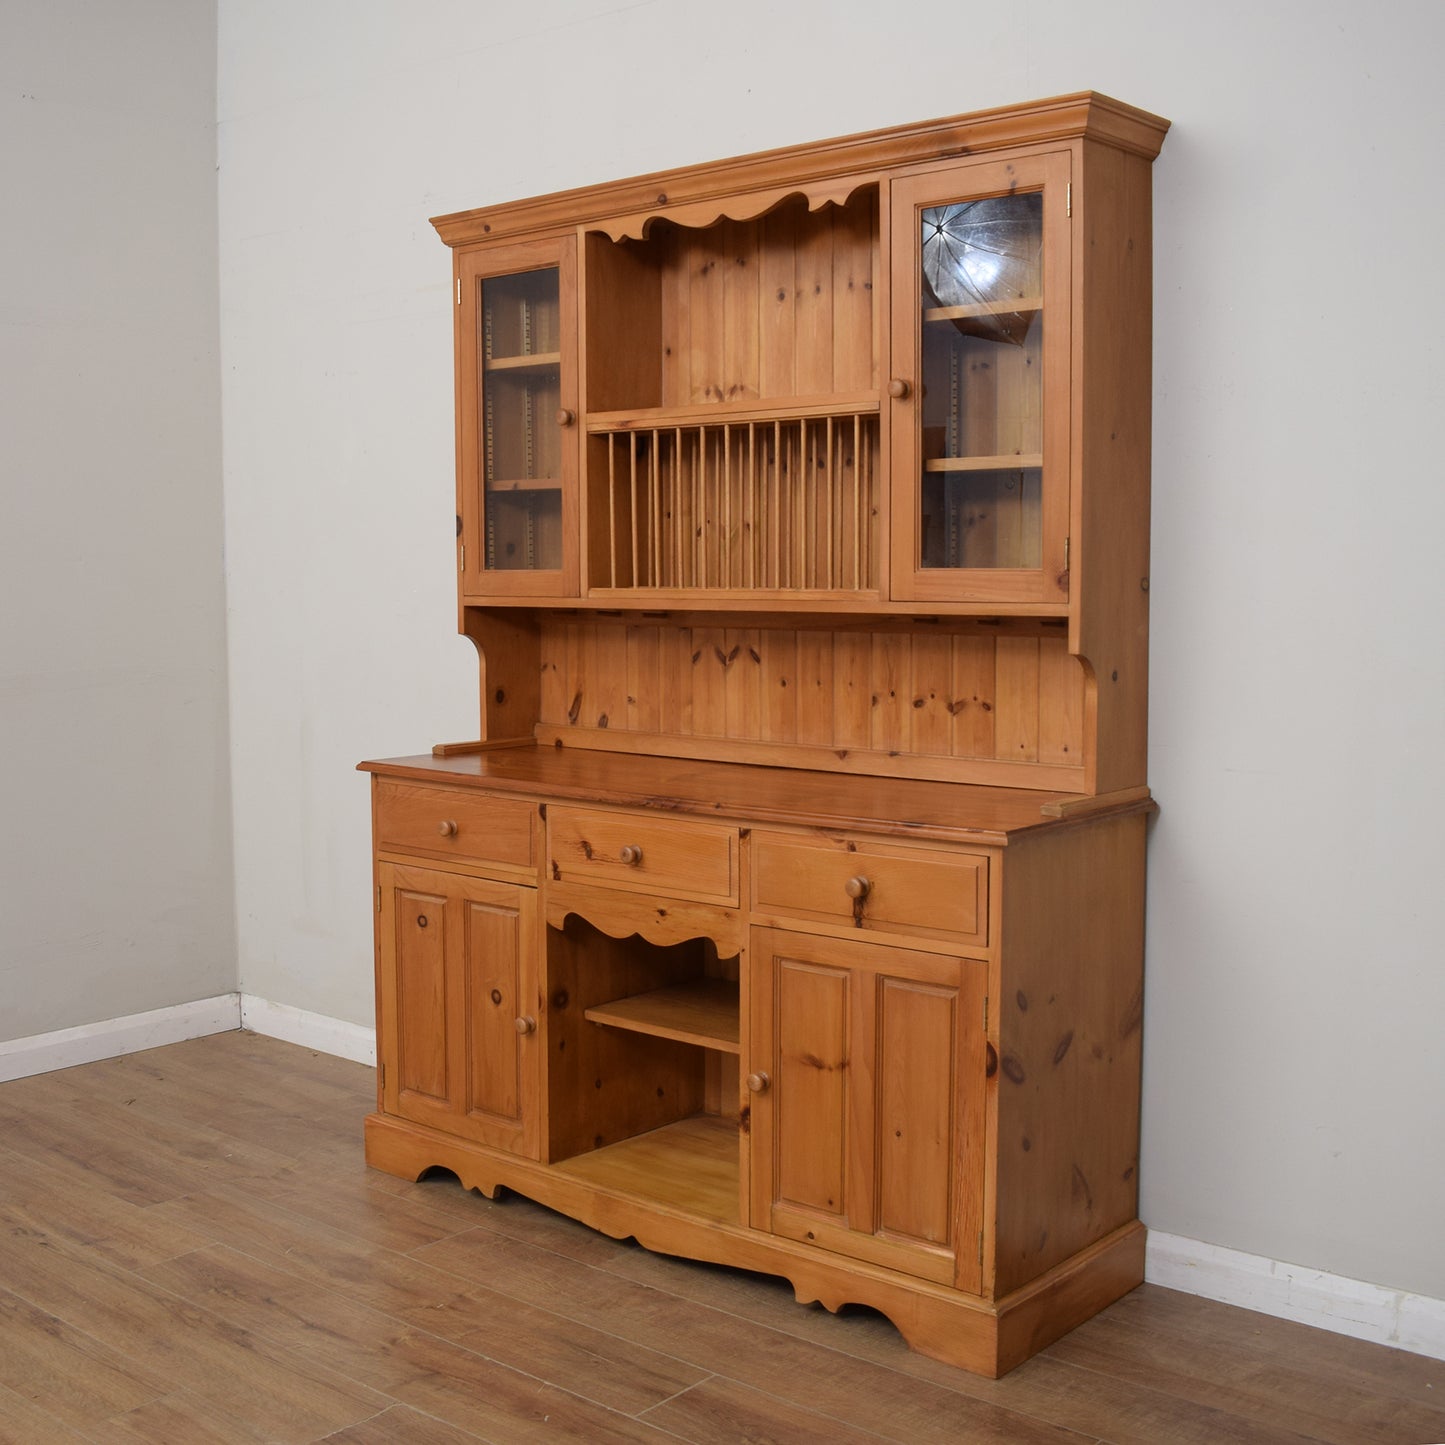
[[64, 1048], [312, 1031], [1407, 1321]]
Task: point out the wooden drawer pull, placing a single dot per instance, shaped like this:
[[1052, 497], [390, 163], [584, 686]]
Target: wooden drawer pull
[[565, 417], [759, 1083], [526, 1025], [858, 888], [631, 855], [898, 388], [447, 828]]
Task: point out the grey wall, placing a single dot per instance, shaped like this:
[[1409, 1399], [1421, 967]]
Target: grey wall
[[115, 834]]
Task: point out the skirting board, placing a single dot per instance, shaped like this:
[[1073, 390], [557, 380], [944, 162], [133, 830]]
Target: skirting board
[[312, 1031], [1328, 1301], [108, 1039], [1407, 1321]]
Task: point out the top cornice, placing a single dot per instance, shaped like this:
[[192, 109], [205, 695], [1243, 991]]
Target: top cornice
[[1066, 117]]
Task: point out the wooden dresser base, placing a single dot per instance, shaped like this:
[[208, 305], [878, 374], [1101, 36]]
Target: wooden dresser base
[[986, 1338]]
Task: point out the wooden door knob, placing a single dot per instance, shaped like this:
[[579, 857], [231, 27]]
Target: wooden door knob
[[565, 417], [631, 855], [758, 1083], [447, 828], [526, 1025], [859, 887], [898, 388]]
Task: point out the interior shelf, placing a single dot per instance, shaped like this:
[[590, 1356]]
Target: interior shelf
[[536, 361], [1009, 462], [701, 1011], [1018, 306], [525, 484], [691, 1165]]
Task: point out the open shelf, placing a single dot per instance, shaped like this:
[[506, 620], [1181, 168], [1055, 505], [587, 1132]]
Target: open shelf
[[663, 418], [701, 1011], [691, 1165]]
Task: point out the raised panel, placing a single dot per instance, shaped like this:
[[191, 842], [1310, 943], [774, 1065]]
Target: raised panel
[[419, 943], [916, 1041], [494, 1003], [812, 1016]]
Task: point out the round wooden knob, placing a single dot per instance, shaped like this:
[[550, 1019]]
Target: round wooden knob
[[526, 1025], [898, 388], [859, 887], [447, 828], [758, 1083], [565, 417], [631, 855]]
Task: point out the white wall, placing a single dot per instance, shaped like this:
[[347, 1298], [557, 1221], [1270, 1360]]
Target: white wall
[[1293, 1071], [115, 836]]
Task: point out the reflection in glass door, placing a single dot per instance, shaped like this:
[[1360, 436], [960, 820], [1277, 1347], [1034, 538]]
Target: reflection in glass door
[[980, 497]]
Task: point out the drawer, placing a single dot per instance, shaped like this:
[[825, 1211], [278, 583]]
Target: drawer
[[873, 886], [453, 823], [641, 853]]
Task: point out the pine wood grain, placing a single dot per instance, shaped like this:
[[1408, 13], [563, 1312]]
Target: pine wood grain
[[290, 1302]]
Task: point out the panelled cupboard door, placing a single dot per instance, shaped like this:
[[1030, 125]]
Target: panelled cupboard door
[[867, 1102], [980, 390], [458, 1027], [517, 426]]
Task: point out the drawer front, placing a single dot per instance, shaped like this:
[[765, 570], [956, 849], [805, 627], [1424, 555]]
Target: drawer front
[[644, 854], [873, 886], [453, 823]]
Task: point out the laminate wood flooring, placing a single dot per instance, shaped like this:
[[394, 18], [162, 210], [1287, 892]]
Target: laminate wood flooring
[[192, 1251]]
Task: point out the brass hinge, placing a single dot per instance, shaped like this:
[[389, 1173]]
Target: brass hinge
[[381, 1069], [985, 1013], [980, 1247], [459, 290], [1067, 540], [1068, 209], [464, 557]]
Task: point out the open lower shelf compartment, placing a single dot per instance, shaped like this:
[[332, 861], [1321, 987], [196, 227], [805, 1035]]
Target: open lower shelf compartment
[[700, 1011], [690, 1166]]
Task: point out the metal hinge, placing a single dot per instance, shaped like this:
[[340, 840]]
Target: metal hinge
[[378, 897], [464, 557], [985, 1013], [459, 290], [1068, 209], [980, 1247], [1067, 540], [381, 1069]]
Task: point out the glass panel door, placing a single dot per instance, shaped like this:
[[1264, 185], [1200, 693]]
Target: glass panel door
[[521, 444], [981, 360], [518, 460]]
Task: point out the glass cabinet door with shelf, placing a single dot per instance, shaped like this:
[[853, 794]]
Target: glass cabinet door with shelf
[[980, 390], [518, 457]]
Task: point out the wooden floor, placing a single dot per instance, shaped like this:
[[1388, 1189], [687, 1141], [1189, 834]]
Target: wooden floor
[[191, 1250]]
